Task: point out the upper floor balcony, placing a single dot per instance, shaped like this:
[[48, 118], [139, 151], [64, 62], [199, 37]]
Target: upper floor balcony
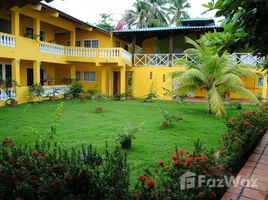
[[164, 60], [25, 48]]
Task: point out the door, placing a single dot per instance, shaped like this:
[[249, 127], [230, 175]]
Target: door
[[9, 75], [29, 76], [116, 83]]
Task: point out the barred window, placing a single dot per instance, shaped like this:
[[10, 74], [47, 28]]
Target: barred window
[[90, 76]]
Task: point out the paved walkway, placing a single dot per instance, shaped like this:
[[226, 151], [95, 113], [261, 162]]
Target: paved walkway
[[256, 167]]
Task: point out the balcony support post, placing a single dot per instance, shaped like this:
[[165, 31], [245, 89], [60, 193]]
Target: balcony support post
[[104, 80], [15, 23], [134, 40], [36, 72], [264, 88], [73, 72], [170, 48], [123, 79], [73, 38], [16, 70], [36, 27]]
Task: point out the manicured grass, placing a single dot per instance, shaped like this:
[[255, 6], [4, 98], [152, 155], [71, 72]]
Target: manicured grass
[[79, 124]]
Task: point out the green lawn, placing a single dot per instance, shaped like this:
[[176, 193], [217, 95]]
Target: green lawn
[[79, 124]]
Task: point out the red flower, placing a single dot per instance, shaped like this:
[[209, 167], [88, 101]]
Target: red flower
[[220, 167], [174, 156], [43, 158], [211, 168], [204, 158], [150, 183], [161, 163], [181, 152], [246, 122], [142, 178], [7, 142], [189, 160], [35, 153], [176, 162], [53, 184], [212, 195], [19, 198], [55, 167]]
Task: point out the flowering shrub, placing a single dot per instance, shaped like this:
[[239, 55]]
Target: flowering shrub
[[244, 133], [165, 182], [48, 172]]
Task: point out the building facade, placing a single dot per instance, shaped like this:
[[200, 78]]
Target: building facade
[[42, 45]]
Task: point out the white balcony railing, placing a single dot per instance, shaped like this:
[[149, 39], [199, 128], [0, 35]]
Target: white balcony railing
[[55, 89], [5, 95], [47, 47], [81, 51], [109, 53], [126, 55], [7, 40], [164, 59]]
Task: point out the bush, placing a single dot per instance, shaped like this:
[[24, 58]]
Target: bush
[[119, 96], [242, 136], [165, 182], [76, 89], [47, 172]]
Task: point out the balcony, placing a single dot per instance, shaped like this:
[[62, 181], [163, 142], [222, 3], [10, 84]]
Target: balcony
[[7, 94], [164, 60], [7, 40]]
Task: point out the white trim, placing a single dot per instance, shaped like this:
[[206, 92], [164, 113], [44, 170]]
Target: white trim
[[90, 72]]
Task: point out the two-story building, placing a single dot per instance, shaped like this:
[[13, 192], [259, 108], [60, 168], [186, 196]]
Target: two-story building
[[43, 45]]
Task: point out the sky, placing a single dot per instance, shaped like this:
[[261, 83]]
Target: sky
[[89, 10]]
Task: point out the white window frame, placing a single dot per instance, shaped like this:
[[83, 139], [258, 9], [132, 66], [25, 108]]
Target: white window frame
[[260, 85], [91, 43], [90, 81], [4, 70]]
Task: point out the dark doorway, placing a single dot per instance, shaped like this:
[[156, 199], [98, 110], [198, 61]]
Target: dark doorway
[[29, 76], [42, 77], [116, 83], [9, 75]]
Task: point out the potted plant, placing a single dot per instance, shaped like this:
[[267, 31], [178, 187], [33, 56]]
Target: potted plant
[[67, 81], [119, 96], [10, 90], [76, 89], [150, 97], [169, 118], [36, 91], [52, 95], [125, 139], [92, 92], [49, 79], [68, 95], [83, 96]]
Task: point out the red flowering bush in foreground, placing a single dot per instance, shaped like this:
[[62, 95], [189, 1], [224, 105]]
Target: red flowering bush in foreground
[[243, 134], [166, 181], [48, 172]]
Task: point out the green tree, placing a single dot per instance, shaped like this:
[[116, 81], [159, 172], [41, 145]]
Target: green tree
[[216, 75], [106, 22], [177, 11], [245, 24]]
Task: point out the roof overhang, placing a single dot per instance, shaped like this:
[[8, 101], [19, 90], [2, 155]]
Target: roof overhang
[[162, 32], [7, 4]]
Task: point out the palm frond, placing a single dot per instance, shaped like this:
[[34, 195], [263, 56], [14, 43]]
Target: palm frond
[[215, 102]]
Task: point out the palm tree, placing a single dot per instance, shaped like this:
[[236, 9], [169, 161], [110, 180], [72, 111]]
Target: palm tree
[[216, 75], [146, 13], [177, 11]]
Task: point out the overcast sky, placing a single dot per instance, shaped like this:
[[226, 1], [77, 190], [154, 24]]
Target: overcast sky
[[89, 10]]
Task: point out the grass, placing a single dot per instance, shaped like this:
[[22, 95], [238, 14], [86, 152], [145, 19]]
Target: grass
[[79, 124]]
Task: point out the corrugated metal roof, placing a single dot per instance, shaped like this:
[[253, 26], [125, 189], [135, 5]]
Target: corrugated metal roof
[[166, 29], [197, 19]]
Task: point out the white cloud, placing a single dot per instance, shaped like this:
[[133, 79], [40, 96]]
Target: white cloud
[[89, 10]]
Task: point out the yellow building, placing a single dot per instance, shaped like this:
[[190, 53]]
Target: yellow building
[[42, 45]]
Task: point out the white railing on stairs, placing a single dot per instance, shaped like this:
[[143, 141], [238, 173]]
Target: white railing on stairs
[[126, 55], [7, 40], [5, 95]]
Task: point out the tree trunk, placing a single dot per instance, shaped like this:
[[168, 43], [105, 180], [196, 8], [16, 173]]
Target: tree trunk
[[209, 108]]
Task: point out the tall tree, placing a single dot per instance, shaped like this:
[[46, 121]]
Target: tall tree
[[216, 75], [177, 11], [245, 22], [157, 15], [106, 22]]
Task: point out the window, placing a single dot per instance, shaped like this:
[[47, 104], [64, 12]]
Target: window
[[260, 82], [118, 43], [42, 35], [91, 43], [78, 76], [164, 78], [151, 75], [29, 33], [77, 43], [6, 73], [90, 76]]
